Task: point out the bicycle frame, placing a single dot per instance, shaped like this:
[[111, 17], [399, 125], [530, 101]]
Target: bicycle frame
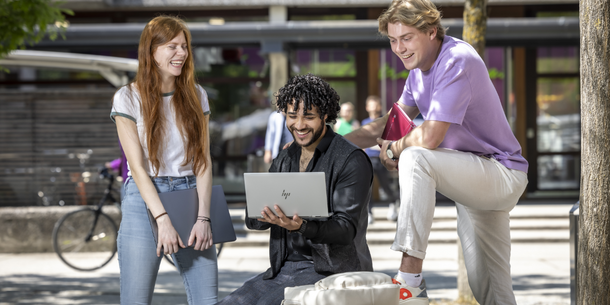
[[98, 210]]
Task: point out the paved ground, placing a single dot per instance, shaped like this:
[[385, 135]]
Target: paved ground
[[540, 265], [540, 275]]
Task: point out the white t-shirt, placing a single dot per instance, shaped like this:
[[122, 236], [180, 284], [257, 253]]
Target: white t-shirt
[[172, 147]]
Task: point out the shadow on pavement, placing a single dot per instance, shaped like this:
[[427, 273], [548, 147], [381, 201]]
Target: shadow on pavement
[[229, 280], [104, 289], [541, 284], [38, 289]]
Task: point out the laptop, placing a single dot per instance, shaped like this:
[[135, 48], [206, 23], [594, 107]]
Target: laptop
[[298, 193], [182, 207]]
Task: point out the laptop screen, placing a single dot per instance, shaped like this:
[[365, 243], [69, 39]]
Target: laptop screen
[[298, 193]]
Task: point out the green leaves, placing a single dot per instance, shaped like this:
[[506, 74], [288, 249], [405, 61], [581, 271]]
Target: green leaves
[[495, 74], [391, 73], [28, 21]]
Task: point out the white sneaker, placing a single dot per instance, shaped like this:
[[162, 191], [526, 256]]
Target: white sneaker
[[411, 295], [392, 212]]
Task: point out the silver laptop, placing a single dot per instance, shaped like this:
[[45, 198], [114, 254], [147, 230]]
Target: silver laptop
[[298, 193]]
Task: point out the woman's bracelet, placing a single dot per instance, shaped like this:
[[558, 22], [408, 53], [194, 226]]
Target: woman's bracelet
[[204, 219], [164, 213]]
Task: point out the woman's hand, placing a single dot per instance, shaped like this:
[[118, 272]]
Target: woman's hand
[[201, 235], [168, 238]]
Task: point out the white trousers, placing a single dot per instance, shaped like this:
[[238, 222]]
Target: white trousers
[[484, 192]]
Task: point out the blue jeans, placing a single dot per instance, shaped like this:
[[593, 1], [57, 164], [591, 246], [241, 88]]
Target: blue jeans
[[138, 261]]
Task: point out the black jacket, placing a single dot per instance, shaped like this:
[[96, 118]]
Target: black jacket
[[338, 243]]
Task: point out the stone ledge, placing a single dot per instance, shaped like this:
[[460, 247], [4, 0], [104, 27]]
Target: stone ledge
[[30, 229]]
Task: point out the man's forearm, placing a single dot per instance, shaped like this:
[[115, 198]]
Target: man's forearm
[[429, 135], [338, 229], [366, 136]]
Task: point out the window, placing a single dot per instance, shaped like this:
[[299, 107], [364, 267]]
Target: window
[[558, 118]]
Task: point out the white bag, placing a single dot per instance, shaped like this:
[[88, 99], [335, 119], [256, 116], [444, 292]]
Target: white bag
[[353, 288]]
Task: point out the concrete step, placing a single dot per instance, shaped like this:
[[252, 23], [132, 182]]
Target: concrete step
[[529, 223], [439, 237], [519, 212], [261, 238], [547, 211], [383, 225], [29, 229]]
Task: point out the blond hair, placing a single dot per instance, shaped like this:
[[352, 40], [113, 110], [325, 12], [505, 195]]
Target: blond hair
[[420, 14]]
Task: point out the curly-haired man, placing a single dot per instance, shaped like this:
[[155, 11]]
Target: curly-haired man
[[303, 252]]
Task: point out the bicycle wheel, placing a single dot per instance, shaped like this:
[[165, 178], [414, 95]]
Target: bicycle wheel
[[80, 244]]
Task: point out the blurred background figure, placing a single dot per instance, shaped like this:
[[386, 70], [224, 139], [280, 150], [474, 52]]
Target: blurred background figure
[[119, 165], [277, 135], [373, 108], [346, 123]]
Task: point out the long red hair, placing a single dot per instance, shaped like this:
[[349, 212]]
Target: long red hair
[[186, 102]]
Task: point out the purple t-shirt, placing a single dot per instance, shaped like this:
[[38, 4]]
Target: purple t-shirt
[[458, 90]]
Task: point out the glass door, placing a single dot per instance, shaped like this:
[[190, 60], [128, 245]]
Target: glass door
[[558, 118]]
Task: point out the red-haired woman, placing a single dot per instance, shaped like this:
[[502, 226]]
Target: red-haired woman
[[162, 120]]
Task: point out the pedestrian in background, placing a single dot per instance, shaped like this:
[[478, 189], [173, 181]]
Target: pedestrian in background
[[346, 122], [276, 136], [119, 165], [373, 108]]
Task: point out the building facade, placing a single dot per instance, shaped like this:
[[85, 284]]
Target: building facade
[[245, 50]]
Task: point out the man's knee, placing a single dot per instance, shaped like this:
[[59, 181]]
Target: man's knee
[[414, 156]]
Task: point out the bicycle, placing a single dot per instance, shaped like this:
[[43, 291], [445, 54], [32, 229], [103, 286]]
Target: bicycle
[[85, 239]]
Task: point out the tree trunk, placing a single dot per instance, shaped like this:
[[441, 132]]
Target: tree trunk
[[464, 293], [475, 27], [475, 24], [278, 74], [594, 215]]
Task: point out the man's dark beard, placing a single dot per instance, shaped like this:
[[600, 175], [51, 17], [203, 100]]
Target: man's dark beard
[[315, 137]]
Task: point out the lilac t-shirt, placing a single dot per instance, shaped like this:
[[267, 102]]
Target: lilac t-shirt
[[457, 90]]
